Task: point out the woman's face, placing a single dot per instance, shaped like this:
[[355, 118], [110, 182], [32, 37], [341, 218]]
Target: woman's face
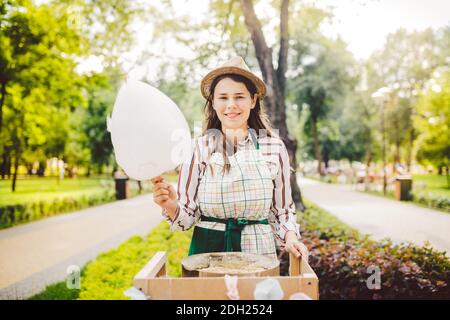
[[232, 103]]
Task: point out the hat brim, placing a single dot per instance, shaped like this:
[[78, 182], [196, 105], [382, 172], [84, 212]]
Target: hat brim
[[209, 78]]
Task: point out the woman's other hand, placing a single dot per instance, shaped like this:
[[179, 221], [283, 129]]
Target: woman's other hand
[[294, 246]]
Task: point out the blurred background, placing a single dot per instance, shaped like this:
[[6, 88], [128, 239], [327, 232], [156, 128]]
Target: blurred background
[[366, 85]]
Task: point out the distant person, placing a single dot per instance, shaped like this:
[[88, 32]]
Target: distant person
[[62, 170]]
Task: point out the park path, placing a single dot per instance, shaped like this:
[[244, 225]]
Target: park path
[[38, 253], [380, 217]]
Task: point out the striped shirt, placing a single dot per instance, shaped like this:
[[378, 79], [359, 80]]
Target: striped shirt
[[277, 159]]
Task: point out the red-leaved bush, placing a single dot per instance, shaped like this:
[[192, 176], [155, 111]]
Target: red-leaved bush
[[344, 260]]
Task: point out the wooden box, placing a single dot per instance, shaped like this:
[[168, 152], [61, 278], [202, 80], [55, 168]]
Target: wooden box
[[153, 281]]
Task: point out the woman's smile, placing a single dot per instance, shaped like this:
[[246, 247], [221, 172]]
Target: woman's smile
[[232, 115]]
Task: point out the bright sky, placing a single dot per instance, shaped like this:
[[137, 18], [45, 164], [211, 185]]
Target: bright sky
[[363, 24], [364, 27]]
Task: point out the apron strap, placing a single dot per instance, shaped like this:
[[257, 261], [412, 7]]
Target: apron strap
[[233, 230], [254, 138]]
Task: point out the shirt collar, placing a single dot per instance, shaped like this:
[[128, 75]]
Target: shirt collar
[[247, 140]]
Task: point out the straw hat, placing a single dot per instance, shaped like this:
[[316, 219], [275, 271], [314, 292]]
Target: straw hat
[[235, 65]]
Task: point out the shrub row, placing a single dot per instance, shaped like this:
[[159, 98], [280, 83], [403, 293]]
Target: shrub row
[[432, 200], [11, 215], [342, 260]]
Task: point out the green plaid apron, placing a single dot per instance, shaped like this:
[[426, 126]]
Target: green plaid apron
[[235, 206]]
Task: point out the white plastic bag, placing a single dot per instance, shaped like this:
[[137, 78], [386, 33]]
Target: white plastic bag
[[269, 289], [135, 294]]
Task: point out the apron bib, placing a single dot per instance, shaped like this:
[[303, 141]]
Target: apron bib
[[235, 206]]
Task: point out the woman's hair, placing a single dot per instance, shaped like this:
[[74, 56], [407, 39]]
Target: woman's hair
[[257, 120]]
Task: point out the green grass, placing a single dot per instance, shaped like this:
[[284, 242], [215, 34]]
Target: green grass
[[325, 179], [435, 183], [32, 189], [49, 188], [57, 291], [315, 218]]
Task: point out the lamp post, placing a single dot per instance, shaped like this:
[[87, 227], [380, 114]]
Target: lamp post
[[382, 97]]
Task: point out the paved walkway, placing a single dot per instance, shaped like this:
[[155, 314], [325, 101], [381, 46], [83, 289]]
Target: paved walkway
[[38, 253], [380, 217]]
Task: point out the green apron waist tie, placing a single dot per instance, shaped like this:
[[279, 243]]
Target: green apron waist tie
[[233, 230]]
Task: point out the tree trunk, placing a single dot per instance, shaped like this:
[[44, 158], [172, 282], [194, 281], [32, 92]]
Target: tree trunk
[[448, 176], [368, 161], [4, 163], [284, 46], [397, 156], [296, 193], [316, 146], [115, 168], [30, 169], [16, 167], [2, 100], [41, 169], [8, 167], [410, 149], [274, 103], [326, 159]]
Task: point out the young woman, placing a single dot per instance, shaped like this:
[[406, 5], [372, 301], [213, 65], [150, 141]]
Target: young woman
[[236, 189]]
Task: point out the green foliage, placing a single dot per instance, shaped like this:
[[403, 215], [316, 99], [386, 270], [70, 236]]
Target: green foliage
[[342, 268], [44, 99], [321, 83], [57, 291], [404, 65], [111, 273], [35, 189], [432, 200], [95, 138], [187, 97], [106, 25], [433, 123], [432, 182], [38, 78], [315, 218], [11, 215]]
